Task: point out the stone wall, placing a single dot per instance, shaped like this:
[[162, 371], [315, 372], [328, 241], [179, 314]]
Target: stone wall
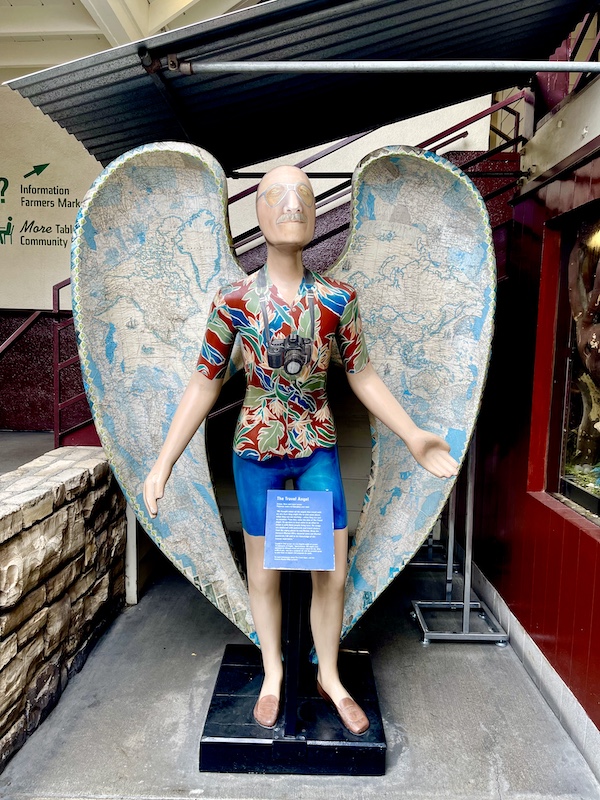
[[62, 579]]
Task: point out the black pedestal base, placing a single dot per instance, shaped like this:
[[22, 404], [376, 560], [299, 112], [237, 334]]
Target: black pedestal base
[[233, 742]]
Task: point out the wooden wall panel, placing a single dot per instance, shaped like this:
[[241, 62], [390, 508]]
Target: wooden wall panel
[[543, 556], [587, 558], [555, 534]]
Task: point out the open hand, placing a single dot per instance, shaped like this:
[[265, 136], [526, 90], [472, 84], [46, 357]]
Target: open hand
[[433, 453], [154, 488]]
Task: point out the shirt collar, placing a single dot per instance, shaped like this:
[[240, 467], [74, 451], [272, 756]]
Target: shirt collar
[[272, 289]]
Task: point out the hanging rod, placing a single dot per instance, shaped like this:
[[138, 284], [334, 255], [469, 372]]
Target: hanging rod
[[201, 67]]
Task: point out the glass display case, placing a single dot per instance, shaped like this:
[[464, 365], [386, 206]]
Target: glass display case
[[577, 365]]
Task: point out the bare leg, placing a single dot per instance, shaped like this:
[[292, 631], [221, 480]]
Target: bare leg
[[265, 604], [326, 618]]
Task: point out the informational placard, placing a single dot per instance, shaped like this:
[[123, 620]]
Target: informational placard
[[299, 530]]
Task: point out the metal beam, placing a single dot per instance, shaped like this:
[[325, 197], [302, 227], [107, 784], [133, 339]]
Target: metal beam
[[121, 21], [161, 12], [200, 67]]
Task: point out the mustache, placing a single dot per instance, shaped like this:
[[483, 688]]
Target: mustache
[[297, 216]]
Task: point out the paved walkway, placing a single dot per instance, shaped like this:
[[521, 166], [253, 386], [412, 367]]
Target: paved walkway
[[463, 721]]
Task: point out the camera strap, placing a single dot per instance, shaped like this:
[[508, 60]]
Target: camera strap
[[261, 283]]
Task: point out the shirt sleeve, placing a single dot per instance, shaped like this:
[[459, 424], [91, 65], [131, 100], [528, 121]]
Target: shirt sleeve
[[350, 337], [218, 339]]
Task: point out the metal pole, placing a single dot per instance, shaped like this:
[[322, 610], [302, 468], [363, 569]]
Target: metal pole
[[203, 67], [450, 545], [56, 380], [131, 558], [294, 596], [469, 536]]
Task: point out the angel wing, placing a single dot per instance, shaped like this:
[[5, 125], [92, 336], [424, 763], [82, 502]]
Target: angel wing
[[421, 257], [151, 246]]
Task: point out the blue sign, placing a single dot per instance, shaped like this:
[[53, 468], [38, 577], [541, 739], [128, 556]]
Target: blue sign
[[299, 530]]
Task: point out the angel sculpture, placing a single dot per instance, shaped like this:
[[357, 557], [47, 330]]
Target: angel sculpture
[[153, 231]]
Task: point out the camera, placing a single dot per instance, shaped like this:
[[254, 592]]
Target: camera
[[291, 353]]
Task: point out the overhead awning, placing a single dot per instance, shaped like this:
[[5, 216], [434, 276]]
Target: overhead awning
[[111, 102]]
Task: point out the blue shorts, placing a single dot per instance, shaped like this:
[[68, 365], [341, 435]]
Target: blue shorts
[[318, 472]]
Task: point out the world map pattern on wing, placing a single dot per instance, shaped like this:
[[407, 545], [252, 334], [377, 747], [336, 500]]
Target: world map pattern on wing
[[150, 249], [420, 256]]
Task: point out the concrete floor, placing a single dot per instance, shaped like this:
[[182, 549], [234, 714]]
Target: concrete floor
[[19, 447], [463, 721]]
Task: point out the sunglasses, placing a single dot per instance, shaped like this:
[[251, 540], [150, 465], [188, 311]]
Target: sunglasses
[[277, 192]]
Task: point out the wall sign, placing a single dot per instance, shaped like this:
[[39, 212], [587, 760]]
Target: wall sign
[[44, 175]]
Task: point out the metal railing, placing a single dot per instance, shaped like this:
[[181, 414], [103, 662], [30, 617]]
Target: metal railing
[[339, 192], [20, 331], [343, 190], [58, 326]]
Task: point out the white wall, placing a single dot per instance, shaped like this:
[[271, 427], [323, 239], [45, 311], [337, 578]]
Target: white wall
[[39, 254]]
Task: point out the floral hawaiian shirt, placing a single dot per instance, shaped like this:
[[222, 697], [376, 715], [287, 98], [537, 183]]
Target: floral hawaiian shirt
[[283, 415]]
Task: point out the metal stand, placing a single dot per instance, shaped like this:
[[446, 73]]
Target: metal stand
[[486, 628], [433, 555]]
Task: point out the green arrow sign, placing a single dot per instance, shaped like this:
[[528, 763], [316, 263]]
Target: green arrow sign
[[37, 170]]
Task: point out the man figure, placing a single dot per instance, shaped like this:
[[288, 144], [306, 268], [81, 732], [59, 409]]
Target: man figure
[[287, 318]]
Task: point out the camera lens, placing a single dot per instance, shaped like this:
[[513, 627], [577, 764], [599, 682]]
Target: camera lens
[[293, 367]]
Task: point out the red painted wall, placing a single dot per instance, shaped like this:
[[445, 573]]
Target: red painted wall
[[542, 556], [27, 380], [26, 374]]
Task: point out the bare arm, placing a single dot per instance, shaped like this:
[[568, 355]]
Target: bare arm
[[430, 450], [199, 397]]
